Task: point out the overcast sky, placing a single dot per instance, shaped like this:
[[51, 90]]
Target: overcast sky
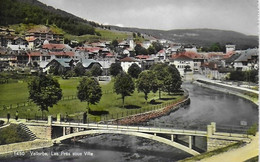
[[236, 15]]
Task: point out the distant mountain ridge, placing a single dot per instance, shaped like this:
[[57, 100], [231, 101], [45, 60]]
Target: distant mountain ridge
[[200, 37]]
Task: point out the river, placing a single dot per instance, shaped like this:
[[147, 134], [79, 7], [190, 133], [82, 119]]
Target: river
[[206, 106]]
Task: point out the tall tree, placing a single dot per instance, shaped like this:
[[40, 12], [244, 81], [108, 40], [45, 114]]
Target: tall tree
[[115, 69], [134, 70], [96, 70], [124, 85], [44, 91], [172, 81], [146, 83], [79, 69], [89, 91], [161, 72]]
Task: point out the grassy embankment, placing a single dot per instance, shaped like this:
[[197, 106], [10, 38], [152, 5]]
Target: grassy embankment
[[108, 35], [111, 103], [212, 153]]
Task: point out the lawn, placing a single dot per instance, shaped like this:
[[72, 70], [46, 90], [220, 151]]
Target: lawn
[[110, 103]]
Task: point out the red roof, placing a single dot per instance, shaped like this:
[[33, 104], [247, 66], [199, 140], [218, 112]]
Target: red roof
[[93, 49], [142, 56], [182, 57], [190, 54], [128, 59], [109, 54], [34, 54], [161, 51], [229, 54], [62, 53], [53, 46]]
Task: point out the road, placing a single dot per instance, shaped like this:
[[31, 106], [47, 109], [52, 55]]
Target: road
[[238, 155]]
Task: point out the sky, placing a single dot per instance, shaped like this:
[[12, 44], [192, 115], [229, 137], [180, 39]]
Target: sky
[[236, 15]]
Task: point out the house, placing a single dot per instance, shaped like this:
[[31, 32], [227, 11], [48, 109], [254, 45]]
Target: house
[[182, 62], [230, 48], [19, 41], [247, 60], [127, 62], [88, 63], [44, 33], [33, 42], [65, 63], [214, 70]]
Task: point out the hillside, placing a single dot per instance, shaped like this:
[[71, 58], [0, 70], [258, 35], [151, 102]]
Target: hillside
[[200, 37], [35, 12]]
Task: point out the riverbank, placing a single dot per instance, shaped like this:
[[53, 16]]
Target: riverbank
[[238, 91], [146, 116]]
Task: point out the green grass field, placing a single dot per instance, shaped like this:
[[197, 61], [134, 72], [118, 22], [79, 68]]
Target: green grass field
[[110, 102]]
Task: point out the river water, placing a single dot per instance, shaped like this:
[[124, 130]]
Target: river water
[[206, 106]]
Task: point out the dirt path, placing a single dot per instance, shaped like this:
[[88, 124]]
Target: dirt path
[[238, 155]]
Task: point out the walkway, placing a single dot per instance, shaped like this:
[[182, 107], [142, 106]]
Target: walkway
[[238, 155]]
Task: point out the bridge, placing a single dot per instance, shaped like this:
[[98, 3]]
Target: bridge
[[58, 131]]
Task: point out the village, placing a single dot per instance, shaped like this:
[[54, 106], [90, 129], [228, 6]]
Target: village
[[40, 48]]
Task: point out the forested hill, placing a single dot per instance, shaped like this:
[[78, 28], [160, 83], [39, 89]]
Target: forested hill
[[33, 11], [200, 37]]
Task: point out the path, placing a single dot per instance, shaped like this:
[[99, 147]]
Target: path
[[238, 155]]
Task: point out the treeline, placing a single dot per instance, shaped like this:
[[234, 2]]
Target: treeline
[[15, 12], [249, 76]]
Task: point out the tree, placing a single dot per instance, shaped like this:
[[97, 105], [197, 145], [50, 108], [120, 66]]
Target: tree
[[124, 85], [146, 83], [140, 50], [151, 50], [96, 70], [157, 46], [79, 69], [89, 91], [134, 70], [115, 69], [161, 72], [173, 80], [44, 91]]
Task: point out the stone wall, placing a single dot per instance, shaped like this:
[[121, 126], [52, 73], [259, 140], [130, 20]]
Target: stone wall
[[143, 117], [213, 143], [24, 146], [42, 132]]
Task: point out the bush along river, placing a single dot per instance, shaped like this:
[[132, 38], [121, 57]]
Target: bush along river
[[228, 111]]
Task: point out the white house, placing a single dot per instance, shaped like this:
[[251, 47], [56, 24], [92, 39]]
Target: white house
[[181, 62], [127, 62], [247, 60]]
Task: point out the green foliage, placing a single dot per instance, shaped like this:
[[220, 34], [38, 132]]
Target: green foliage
[[134, 70], [252, 130], [89, 91], [13, 134], [151, 50], [96, 70], [140, 50], [124, 85], [57, 69], [115, 69], [147, 82], [168, 77], [251, 75], [157, 46], [79, 69], [44, 91], [172, 82], [15, 12]]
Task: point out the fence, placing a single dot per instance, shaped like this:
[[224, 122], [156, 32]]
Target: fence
[[29, 103]]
